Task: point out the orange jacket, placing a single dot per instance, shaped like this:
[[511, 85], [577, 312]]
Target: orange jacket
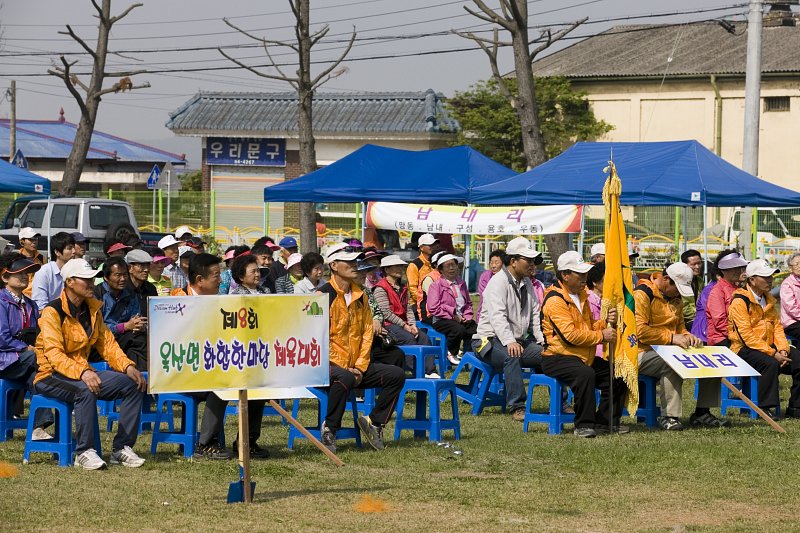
[[754, 327], [63, 346], [568, 330], [656, 318], [351, 328], [415, 271]]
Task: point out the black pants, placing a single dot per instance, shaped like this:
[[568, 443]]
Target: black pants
[[212, 425], [392, 355], [390, 378], [134, 344], [458, 333], [793, 330], [583, 380], [769, 368]]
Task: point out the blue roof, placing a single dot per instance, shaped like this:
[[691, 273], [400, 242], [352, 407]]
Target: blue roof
[[676, 173], [52, 139], [376, 173], [15, 179]]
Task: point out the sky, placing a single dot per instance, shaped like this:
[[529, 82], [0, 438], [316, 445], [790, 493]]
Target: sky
[[401, 46]]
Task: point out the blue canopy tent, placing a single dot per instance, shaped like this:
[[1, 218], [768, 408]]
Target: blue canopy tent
[[15, 179], [375, 173], [674, 173]]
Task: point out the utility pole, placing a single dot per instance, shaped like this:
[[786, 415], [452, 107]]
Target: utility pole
[[12, 98], [752, 114]]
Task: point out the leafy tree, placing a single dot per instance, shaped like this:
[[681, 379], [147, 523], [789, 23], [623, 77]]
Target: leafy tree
[[489, 123], [192, 181]]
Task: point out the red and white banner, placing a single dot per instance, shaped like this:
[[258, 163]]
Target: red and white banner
[[528, 220]]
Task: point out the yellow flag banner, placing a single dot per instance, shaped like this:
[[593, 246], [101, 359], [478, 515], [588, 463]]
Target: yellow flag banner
[[618, 291]]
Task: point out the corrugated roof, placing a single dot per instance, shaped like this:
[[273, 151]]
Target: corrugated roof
[[249, 113], [700, 49], [52, 139]]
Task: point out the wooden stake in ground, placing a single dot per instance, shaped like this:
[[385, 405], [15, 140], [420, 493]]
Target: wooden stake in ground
[[753, 406], [244, 446], [289, 418]]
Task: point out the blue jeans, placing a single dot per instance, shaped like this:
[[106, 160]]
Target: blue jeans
[[512, 369], [23, 371], [113, 386]]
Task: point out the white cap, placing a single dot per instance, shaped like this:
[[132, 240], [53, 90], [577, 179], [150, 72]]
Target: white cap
[[343, 252], [167, 241], [392, 260], [682, 276], [573, 262], [731, 261], [598, 249], [183, 250], [426, 240], [293, 260], [78, 268], [521, 246], [447, 257], [181, 231], [138, 256], [28, 233], [760, 267]]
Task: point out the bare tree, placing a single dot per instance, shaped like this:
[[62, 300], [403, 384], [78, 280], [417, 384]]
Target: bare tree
[[93, 91], [305, 85], [512, 17]]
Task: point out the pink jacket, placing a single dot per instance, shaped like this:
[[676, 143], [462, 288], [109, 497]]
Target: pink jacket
[[717, 311], [442, 301], [790, 300]]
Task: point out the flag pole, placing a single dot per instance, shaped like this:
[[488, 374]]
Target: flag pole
[[611, 348]]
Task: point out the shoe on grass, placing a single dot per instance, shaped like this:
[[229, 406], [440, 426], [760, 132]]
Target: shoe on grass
[[433, 375], [126, 457], [40, 434], [792, 412], [585, 433], [256, 451], [89, 460], [328, 438], [454, 360], [707, 420], [518, 415], [567, 409], [602, 429], [669, 423], [373, 433], [212, 451]]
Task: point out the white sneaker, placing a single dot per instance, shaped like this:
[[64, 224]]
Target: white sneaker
[[453, 359], [40, 434], [89, 460], [126, 457], [433, 375]]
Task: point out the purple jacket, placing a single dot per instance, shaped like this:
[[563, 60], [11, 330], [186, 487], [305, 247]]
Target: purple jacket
[[483, 281], [442, 301], [11, 324], [700, 323]]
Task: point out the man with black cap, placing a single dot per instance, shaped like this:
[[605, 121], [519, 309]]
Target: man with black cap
[[71, 327], [80, 245], [509, 334], [139, 263]]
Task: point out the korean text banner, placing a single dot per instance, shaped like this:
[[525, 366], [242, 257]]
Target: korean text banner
[[202, 343], [705, 362], [475, 220]]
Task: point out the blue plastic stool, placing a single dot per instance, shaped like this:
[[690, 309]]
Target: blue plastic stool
[[186, 438], [104, 406], [555, 418], [420, 353], [7, 421], [233, 410], [148, 417], [430, 391], [482, 378], [322, 409], [62, 445], [648, 410], [440, 341], [748, 386], [366, 406]]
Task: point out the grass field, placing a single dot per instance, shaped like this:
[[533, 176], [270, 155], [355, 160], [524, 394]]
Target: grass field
[[744, 478]]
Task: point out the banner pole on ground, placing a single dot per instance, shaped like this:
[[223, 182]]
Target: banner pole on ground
[[753, 406], [244, 446], [289, 418]]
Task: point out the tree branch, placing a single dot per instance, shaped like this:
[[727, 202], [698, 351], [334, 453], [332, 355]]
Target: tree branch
[[114, 20], [551, 38], [80, 41], [115, 88], [490, 15], [122, 74], [316, 81], [98, 8], [258, 72], [259, 39], [320, 34], [292, 81], [471, 36], [65, 75]]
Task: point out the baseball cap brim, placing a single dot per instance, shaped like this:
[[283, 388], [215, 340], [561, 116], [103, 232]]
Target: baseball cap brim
[[23, 265], [731, 261], [765, 272], [581, 268], [392, 260], [684, 289], [344, 256]]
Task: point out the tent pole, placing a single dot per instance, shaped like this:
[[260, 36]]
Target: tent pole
[[677, 233], [363, 222], [705, 242], [580, 235]]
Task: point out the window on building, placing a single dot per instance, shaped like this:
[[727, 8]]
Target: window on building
[[776, 103]]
